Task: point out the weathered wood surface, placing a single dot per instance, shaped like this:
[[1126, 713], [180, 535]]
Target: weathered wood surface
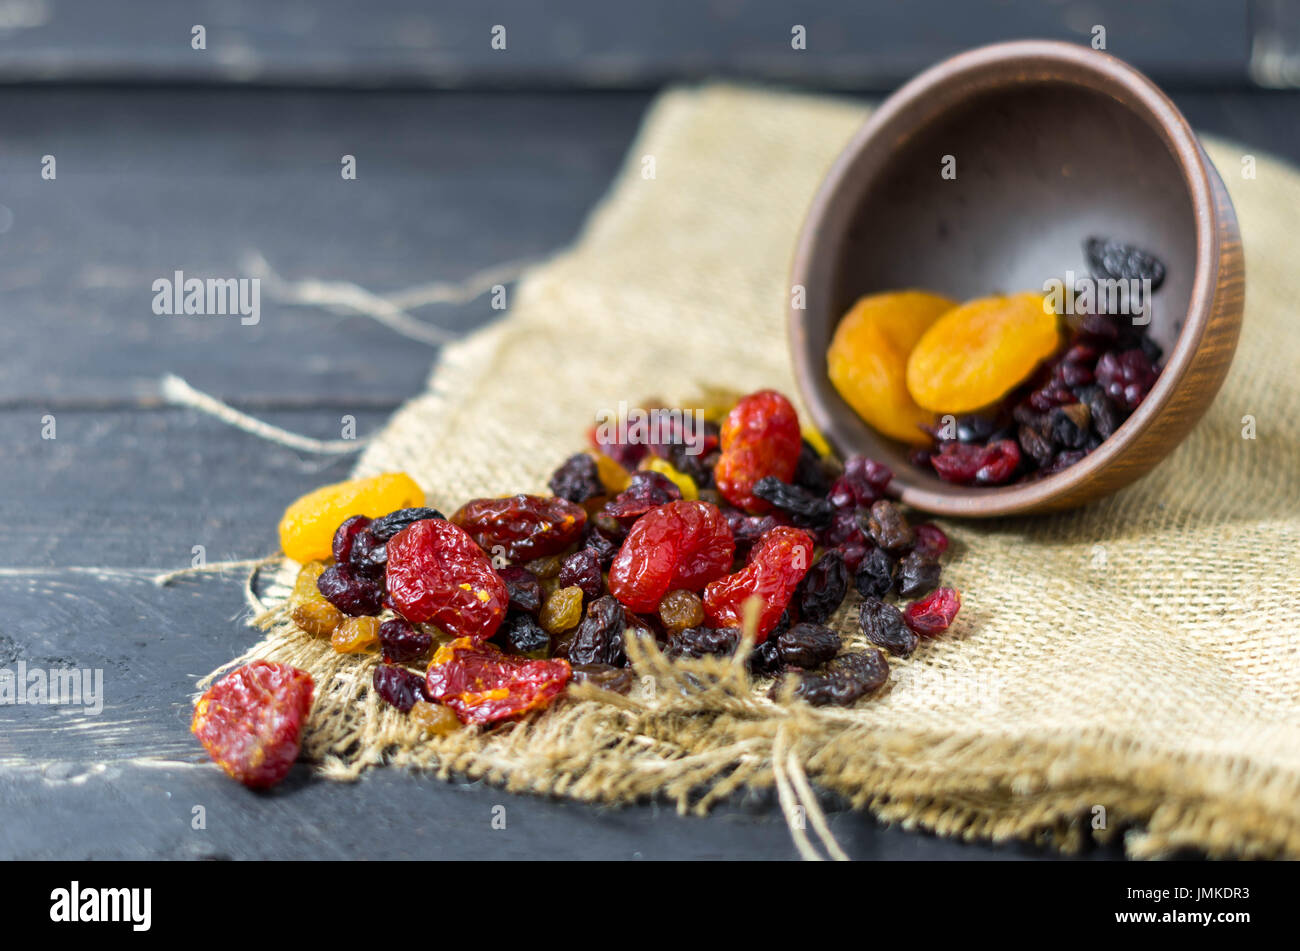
[[152, 180]]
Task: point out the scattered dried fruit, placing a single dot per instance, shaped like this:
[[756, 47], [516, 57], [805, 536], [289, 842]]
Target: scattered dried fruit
[[522, 526], [438, 575], [760, 438], [308, 526], [483, 685], [776, 565], [250, 721]]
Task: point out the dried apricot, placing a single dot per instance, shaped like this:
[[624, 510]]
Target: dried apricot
[[977, 353], [308, 525], [867, 359]]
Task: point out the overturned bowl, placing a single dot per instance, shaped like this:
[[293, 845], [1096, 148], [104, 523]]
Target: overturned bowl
[[1050, 143]]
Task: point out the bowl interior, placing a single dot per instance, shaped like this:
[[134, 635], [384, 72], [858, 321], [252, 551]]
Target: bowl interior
[[1040, 166]]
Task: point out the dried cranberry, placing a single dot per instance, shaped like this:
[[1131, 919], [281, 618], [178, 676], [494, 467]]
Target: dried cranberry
[[577, 479], [964, 464], [369, 556], [523, 589], [342, 545], [646, 490], [930, 540], [863, 482], [401, 643], [680, 545], [823, 588], [352, 593], [603, 545], [1126, 377], [934, 613], [399, 687]]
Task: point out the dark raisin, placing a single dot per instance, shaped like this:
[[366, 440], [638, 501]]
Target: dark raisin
[[1063, 460], [875, 575], [1069, 425], [812, 473], [403, 643], [916, 575], [1108, 258], [823, 588], [369, 555], [803, 645], [352, 593], [747, 529], [385, 528], [974, 428], [343, 537], [582, 570], [577, 479], [1104, 415], [521, 634], [848, 678], [602, 544], [399, 687], [1036, 446], [646, 490], [703, 642], [599, 639], [523, 588], [616, 679], [804, 509], [888, 527], [882, 624]]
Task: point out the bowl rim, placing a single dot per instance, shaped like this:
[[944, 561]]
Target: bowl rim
[[1039, 61]]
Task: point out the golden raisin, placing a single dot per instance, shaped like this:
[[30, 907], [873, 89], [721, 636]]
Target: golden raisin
[[977, 353], [612, 476], [434, 718], [680, 610], [309, 609], [548, 566], [678, 478], [868, 358], [355, 635], [307, 528], [562, 610]]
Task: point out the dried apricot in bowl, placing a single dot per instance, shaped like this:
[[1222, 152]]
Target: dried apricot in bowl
[[976, 353], [307, 528], [867, 359]]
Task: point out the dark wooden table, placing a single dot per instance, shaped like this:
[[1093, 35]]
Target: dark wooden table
[[150, 180]]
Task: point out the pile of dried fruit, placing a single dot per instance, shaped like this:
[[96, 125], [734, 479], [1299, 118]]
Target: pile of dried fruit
[[1024, 393], [508, 600]]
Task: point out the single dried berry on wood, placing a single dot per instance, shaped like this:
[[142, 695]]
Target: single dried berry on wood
[[976, 353], [250, 721], [823, 588], [680, 610], [398, 687], [882, 624], [760, 438], [680, 545], [389, 525], [308, 526], [917, 573], [434, 718], [803, 645], [438, 575], [801, 506], [582, 570], [310, 610], [483, 685], [523, 526], [776, 565], [522, 588], [403, 643], [1108, 258], [352, 593], [875, 575], [703, 642], [933, 614], [847, 679], [867, 359], [888, 526], [562, 610], [355, 635], [522, 634], [599, 639], [578, 479]]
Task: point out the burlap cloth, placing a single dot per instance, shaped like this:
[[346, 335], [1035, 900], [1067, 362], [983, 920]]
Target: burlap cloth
[[1133, 666]]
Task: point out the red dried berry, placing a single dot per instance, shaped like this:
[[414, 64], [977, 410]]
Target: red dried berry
[[398, 687], [401, 643], [522, 527], [250, 721], [438, 575], [1127, 377], [776, 566], [759, 438], [582, 570], [931, 541], [862, 483], [932, 614], [681, 545], [969, 464], [647, 490], [343, 537], [483, 685]]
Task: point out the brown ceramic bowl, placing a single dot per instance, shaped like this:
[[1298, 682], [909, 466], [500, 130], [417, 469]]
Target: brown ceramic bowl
[[1053, 143]]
